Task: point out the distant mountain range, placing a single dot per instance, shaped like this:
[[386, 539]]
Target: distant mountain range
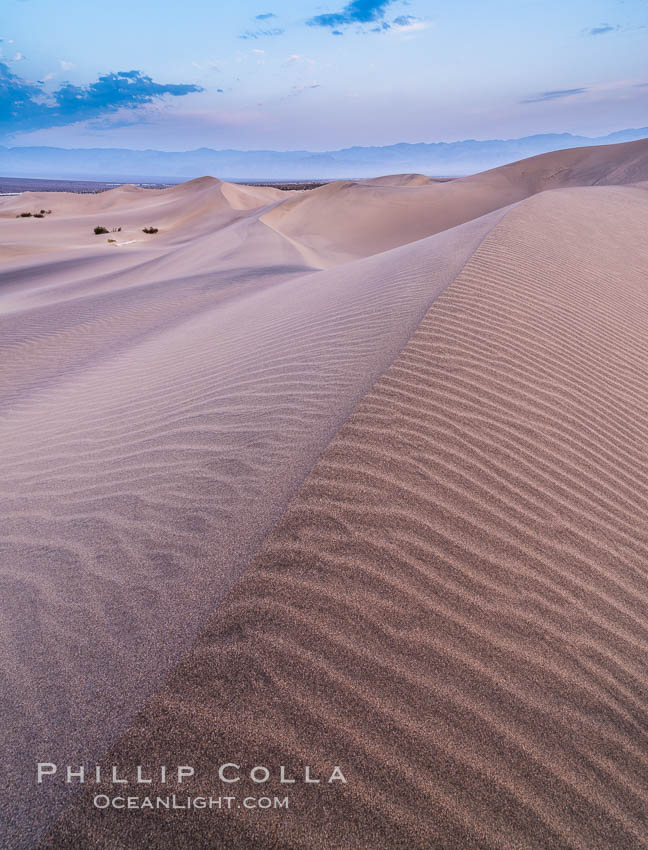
[[441, 159]]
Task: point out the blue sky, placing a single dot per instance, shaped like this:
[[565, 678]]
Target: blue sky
[[320, 75]]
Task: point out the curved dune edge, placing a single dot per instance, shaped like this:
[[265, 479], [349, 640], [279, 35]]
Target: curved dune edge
[[136, 489], [453, 606]]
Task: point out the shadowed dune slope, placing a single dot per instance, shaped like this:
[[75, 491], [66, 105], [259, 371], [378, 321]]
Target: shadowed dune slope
[[453, 607], [346, 219], [152, 435]]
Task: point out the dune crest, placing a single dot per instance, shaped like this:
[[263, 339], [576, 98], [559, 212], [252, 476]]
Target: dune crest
[[413, 180]]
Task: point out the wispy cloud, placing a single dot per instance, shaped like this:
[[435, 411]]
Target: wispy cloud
[[553, 95], [25, 105], [409, 24], [297, 57], [355, 12], [602, 29], [300, 89], [368, 12], [262, 33], [208, 66], [265, 16]]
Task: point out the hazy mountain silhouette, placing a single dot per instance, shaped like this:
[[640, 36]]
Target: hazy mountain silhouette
[[437, 159]]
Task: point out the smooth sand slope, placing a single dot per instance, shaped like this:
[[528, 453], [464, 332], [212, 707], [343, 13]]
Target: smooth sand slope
[[464, 562], [453, 607]]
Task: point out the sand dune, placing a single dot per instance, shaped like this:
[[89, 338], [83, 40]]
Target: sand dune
[[441, 412], [153, 434], [402, 180], [328, 226], [182, 212], [453, 606], [359, 218]]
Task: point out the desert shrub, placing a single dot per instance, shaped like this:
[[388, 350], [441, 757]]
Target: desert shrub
[[39, 215], [112, 240], [115, 229], [24, 215], [149, 230], [100, 229], [46, 212]]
